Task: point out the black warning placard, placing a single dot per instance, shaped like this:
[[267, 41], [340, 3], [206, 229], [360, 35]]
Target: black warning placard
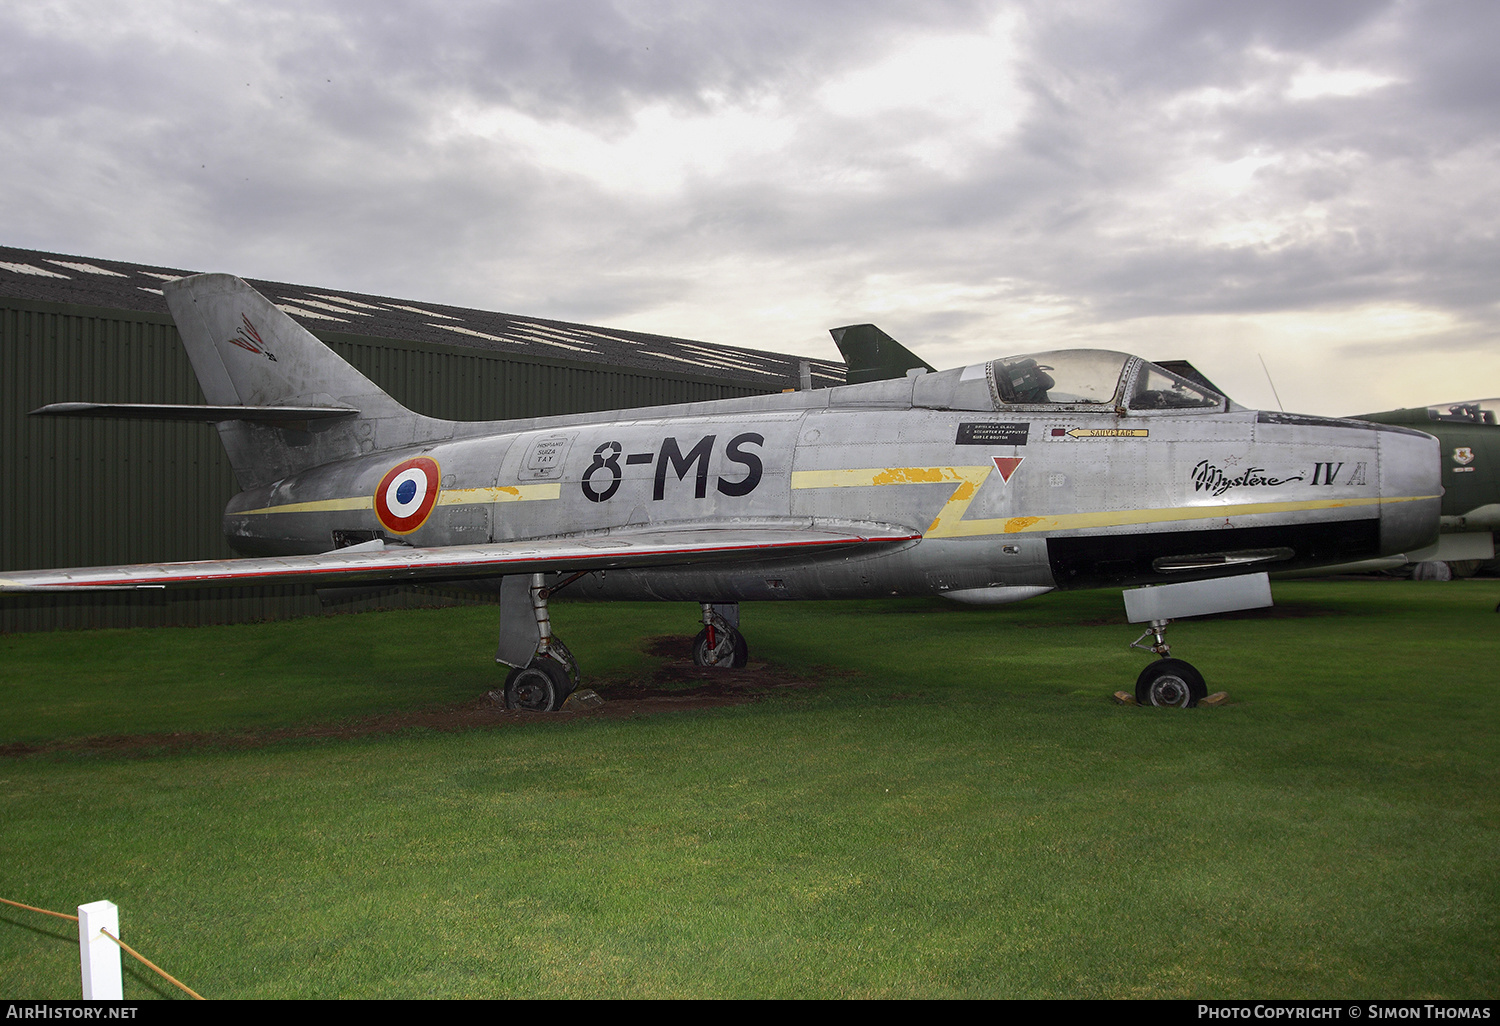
[[990, 433]]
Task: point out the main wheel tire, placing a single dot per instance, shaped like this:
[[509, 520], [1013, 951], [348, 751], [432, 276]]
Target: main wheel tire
[[730, 650], [1432, 570], [536, 687], [1171, 683]]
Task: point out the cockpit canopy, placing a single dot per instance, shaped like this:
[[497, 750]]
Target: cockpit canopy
[[1083, 380], [1473, 411], [1476, 411]]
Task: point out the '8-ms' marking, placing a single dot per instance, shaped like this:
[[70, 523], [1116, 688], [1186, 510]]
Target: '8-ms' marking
[[602, 478], [606, 457]]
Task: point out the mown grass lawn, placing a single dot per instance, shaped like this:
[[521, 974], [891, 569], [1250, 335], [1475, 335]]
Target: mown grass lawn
[[966, 814]]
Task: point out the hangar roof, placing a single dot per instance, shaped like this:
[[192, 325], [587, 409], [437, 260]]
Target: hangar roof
[[119, 285]]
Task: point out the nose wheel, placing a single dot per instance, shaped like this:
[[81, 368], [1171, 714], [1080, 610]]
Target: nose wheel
[[1171, 683], [1168, 682]]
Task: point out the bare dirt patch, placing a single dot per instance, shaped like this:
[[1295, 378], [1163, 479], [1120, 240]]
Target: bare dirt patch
[[672, 686]]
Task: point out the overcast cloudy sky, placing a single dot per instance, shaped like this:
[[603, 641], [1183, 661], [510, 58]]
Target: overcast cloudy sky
[[1313, 183]]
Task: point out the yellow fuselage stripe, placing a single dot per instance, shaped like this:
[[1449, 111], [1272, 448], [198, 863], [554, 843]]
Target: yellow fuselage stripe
[[446, 497], [949, 522], [1125, 517], [948, 519], [320, 506], [886, 476], [504, 493]]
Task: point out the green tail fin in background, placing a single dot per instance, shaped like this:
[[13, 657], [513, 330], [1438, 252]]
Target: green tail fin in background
[[872, 355]]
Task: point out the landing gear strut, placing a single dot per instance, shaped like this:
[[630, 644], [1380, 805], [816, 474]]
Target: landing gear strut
[[544, 683], [720, 643], [1167, 682]]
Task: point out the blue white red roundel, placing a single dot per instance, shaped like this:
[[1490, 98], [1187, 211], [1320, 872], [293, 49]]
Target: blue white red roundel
[[407, 494]]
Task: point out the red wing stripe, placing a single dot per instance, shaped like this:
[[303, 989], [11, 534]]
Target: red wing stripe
[[417, 564]]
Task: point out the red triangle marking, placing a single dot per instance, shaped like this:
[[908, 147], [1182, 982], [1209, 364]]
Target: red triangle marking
[[1007, 466]]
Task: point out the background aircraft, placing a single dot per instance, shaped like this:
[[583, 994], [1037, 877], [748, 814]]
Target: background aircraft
[[984, 484], [1469, 455], [872, 355]]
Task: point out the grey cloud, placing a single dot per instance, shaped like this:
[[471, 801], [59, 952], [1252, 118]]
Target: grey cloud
[[594, 61], [1151, 49], [324, 168], [1451, 53]]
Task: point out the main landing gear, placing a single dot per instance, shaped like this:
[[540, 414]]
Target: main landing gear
[[720, 643], [544, 673], [542, 682], [1167, 682]]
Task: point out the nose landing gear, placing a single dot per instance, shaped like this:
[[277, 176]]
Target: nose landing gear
[[1172, 682], [1167, 682]]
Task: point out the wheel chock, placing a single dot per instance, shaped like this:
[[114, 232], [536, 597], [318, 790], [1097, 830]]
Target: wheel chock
[[583, 698]]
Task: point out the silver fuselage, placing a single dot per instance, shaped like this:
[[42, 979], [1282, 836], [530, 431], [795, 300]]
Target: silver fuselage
[[1008, 501]]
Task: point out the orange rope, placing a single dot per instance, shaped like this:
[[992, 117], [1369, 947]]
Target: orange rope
[[140, 957], [45, 912], [151, 964]]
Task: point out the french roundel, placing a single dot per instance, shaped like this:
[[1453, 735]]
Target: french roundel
[[407, 494]]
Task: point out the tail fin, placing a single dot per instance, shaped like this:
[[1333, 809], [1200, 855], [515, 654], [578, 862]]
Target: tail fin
[[872, 355], [248, 353]]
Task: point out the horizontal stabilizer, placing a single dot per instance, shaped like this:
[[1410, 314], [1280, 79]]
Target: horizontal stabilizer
[[206, 414], [399, 564]]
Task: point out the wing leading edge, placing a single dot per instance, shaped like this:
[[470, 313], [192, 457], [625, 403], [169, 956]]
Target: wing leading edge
[[194, 412], [399, 564]]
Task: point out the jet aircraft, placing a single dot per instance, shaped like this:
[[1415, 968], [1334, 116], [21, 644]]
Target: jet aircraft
[[1469, 453], [986, 484]]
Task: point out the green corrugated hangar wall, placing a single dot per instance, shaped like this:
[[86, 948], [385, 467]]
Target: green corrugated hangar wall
[[82, 492]]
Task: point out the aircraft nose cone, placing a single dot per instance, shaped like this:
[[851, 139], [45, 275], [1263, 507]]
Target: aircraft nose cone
[[1410, 490]]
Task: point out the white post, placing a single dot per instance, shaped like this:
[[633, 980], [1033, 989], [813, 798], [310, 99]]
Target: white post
[[100, 956]]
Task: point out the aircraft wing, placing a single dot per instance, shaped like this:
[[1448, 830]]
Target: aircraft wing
[[195, 412], [400, 564]]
